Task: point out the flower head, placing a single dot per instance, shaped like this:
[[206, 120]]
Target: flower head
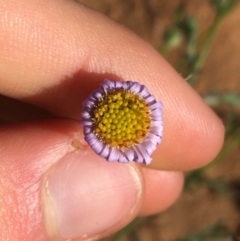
[[122, 121]]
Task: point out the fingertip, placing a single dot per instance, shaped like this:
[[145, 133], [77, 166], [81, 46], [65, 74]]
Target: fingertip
[[162, 188], [193, 134]]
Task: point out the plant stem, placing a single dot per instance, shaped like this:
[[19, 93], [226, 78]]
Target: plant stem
[[198, 65], [125, 231]]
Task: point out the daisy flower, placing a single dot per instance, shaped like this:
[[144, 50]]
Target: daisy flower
[[122, 122]]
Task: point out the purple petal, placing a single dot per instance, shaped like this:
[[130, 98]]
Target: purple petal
[[97, 147], [155, 144], [144, 92], [91, 99], [157, 123], [154, 139], [87, 130], [105, 88], [98, 94], [122, 157], [154, 106], [146, 157], [129, 154], [118, 84], [90, 136], [109, 83], [135, 88], [88, 103], [156, 118], [137, 155], [106, 81], [157, 130], [87, 123], [86, 115], [105, 152], [87, 108], [129, 84], [114, 155], [92, 141], [149, 146], [150, 100], [156, 112], [125, 85]]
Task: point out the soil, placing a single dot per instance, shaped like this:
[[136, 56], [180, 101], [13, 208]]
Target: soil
[[201, 206]]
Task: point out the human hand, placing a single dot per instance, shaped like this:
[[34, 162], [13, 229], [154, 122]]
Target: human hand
[[53, 53]]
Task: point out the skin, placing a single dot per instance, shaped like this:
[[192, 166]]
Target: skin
[[53, 53]]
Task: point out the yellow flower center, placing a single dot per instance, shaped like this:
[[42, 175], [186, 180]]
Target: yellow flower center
[[121, 119]]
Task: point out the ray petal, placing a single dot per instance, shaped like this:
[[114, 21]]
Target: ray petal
[[118, 84], [129, 154], [146, 157], [154, 138], [105, 152], [87, 123], [98, 146], [157, 130], [109, 83], [86, 115], [122, 157], [157, 106], [114, 155], [137, 155], [144, 93], [150, 100], [87, 130], [149, 146], [157, 123], [135, 88]]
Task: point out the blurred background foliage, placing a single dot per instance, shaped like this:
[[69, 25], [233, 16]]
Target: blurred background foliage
[[201, 39]]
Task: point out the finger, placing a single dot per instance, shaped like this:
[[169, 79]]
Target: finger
[[52, 185], [51, 190], [13, 111], [62, 53], [162, 190]]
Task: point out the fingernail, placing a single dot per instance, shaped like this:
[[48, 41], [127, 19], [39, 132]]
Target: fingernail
[[85, 196]]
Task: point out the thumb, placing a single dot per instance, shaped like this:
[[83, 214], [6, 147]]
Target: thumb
[[53, 187], [86, 197]]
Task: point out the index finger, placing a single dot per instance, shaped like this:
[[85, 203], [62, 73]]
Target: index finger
[[63, 52]]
